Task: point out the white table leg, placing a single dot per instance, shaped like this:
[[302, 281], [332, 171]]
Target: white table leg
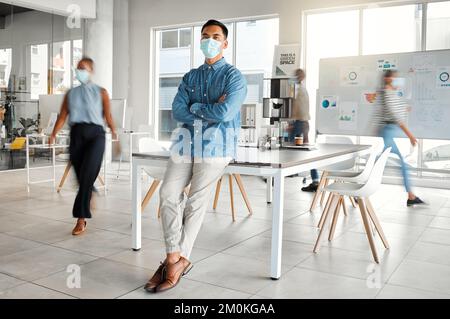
[[136, 204], [277, 226], [269, 190], [130, 155]]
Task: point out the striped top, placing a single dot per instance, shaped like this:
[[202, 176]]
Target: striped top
[[392, 108]]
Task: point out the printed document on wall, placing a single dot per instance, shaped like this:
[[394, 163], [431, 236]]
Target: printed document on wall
[[348, 116]]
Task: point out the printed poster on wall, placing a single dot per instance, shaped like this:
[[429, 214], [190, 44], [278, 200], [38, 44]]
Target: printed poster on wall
[[385, 64], [286, 60], [443, 78], [348, 116], [351, 76], [369, 97], [329, 102]]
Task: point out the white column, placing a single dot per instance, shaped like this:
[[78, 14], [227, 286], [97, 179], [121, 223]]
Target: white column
[[98, 43]]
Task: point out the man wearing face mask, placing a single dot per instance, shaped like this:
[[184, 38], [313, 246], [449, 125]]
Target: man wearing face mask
[[87, 107], [207, 106]]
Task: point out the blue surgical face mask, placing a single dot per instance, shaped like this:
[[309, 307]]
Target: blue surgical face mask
[[82, 75], [398, 82], [210, 47]]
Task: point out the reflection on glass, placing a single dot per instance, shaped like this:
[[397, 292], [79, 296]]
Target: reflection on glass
[[5, 67], [61, 64], [38, 70]]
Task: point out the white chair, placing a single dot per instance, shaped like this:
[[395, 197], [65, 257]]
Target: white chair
[[341, 166], [147, 145], [362, 192], [359, 177]]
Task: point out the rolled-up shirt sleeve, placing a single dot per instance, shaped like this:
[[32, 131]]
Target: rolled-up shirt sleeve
[[236, 92]]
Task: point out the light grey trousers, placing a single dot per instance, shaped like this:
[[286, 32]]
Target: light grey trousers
[[182, 224]]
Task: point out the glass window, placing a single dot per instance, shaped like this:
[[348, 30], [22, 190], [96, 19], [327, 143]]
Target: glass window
[[171, 65], [61, 67], [39, 67], [169, 39], [255, 41], [391, 29], [5, 67], [185, 38], [328, 35], [438, 26]]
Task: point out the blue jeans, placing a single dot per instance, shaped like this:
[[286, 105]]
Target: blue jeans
[[388, 133], [302, 128]]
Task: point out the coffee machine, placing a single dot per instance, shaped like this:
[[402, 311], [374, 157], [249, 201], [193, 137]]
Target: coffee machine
[[278, 105]]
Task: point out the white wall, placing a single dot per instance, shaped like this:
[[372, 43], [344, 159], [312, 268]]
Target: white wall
[[57, 6], [145, 14]]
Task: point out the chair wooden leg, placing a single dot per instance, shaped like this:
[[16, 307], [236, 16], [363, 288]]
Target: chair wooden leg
[[335, 219], [327, 206], [100, 179], [352, 200], [149, 194], [334, 202], [230, 182], [322, 198], [243, 192], [63, 178], [216, 196], [366, 223], [376, 222], [323, 178], [159, 210], [344, 206]]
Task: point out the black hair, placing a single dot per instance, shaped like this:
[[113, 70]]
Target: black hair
[[88, 60], [389, 73], [217, 23]]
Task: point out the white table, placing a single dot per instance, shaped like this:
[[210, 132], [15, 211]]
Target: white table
[[275, 164], [43, 146]]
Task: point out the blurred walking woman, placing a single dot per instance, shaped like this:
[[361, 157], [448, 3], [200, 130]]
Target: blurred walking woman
[[392, 119], [88, 107]]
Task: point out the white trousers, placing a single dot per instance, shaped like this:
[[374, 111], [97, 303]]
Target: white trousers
[[182, 224]]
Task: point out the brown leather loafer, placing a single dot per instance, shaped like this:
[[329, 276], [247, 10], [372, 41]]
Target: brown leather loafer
[[173, 274], [157, 279], [80, 227]]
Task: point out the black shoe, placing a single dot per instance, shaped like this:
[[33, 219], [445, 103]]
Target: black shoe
[[312, 188], [415, 201]]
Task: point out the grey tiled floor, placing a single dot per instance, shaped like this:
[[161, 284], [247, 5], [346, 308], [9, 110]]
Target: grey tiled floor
[[232, 260]]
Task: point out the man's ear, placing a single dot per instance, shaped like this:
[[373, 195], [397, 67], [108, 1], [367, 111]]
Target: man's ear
[[225, 44]]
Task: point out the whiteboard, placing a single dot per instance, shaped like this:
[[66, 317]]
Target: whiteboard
[[346, 98]]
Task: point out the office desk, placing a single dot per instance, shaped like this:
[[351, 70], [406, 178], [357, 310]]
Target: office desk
[[276, 164]]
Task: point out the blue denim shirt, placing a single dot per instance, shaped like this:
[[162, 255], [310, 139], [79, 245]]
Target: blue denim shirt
[[213, 126]]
